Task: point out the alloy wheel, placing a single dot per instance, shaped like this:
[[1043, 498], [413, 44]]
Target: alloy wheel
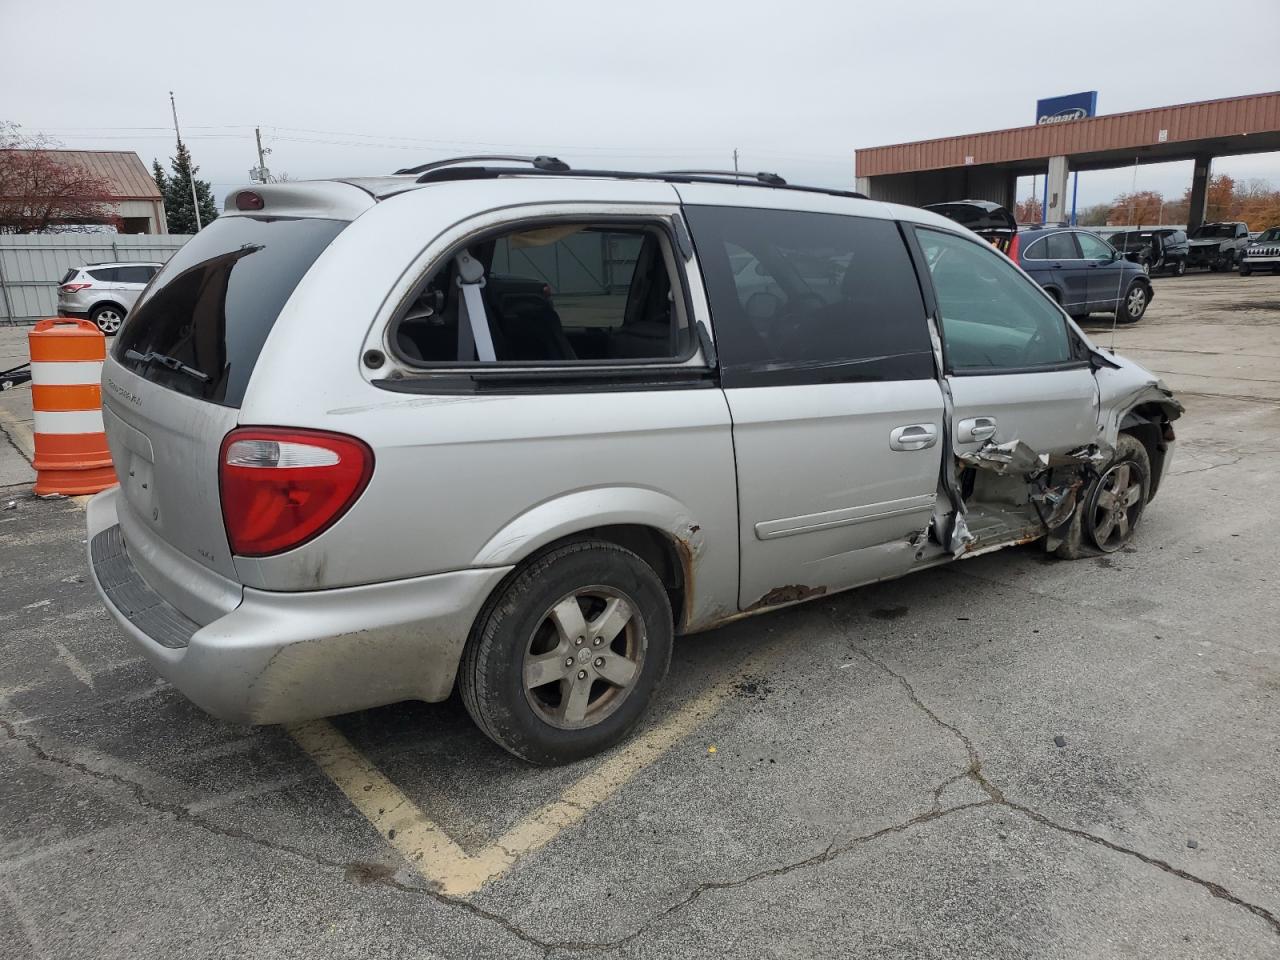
[[108, 320], [584, 657], [1136, 302], [1116, 506]]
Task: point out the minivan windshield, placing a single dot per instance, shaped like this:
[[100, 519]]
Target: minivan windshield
[[211, 307]]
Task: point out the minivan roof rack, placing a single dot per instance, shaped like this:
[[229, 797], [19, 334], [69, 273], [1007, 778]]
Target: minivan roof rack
[[444, 170], [772, 179], [547, 164]]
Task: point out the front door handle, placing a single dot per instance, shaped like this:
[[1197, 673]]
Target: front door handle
[[975, 428], [915, 436]]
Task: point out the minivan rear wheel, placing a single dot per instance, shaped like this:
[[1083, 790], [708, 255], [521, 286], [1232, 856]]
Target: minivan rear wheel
[[565, 657]]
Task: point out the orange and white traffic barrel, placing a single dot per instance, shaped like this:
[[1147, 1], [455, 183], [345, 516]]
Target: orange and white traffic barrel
[[66, 397]]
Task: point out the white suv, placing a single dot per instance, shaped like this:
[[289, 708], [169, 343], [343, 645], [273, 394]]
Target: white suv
[[103, 292]]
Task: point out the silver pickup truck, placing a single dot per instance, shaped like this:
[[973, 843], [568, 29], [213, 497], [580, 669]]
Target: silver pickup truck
[[1217, 246]]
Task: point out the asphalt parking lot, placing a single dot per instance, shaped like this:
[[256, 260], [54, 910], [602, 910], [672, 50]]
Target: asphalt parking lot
[[1007, 757]]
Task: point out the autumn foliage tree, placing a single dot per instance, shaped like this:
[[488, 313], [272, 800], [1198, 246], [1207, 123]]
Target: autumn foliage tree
[[41, 192], [1029, 210], [1257, 204], [1143, 207]]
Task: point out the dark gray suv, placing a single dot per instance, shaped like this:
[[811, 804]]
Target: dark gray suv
[[1083, 272]]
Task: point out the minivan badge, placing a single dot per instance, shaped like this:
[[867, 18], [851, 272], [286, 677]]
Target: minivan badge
[[123, 393]]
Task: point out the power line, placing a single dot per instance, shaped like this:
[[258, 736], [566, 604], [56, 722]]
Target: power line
[[397, 141]]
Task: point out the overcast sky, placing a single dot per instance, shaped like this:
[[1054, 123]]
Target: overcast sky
[[344, 88]]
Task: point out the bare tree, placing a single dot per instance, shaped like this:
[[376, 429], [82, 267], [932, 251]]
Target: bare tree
[[40, 192]]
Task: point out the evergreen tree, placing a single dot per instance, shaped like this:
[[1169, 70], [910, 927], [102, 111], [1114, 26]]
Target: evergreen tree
[[158, 175], [178, 209]]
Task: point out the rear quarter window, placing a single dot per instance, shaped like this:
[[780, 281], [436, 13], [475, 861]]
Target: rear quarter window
[[213, 304], [136, 274]]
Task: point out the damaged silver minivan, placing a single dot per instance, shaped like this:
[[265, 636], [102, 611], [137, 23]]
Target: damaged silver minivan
[[516, 426]]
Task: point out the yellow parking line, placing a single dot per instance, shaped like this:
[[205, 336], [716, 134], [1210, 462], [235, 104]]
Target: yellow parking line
[[19, 433], [436, 857], [423, 843], [392, 813]]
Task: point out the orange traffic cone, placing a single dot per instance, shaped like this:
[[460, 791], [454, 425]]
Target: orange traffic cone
[[66, 373]]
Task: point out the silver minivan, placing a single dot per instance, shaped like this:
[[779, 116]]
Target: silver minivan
[[514, 427]]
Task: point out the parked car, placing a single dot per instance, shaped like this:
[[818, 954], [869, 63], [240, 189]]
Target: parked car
[[991, 221], [350, 475], [1080, 270], [1217, 245], [1084, 273], [1262, 254], [1160, 250], [103, 292]]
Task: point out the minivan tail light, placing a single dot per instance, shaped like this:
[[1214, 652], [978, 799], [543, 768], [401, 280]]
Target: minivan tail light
[[282, 487], [1012, 253]]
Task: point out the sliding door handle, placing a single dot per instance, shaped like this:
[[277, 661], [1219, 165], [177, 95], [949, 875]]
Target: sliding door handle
[[975, 428], [915, 436]]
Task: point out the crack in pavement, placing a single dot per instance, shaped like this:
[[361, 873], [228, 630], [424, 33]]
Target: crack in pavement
[[997, 797], [973, 771], [183, 814], [1212, 466], [834, 850]]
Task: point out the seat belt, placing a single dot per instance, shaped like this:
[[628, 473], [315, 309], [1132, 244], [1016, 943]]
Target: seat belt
[[475, 331]]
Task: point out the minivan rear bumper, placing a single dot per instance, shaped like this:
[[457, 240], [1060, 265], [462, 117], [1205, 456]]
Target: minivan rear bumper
[[286, 657]]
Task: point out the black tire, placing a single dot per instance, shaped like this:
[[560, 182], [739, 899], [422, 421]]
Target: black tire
[[1245, 270], [518, 628], [107, 317], [1081, 536], [1133, 306]]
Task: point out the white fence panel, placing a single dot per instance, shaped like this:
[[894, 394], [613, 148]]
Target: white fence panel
[[31, 265]]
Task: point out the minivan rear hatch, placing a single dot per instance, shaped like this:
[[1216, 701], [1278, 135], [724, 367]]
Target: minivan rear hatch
[[175, 380]]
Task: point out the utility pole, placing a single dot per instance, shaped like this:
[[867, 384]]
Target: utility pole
[[735, 159], [260, 173], [195, 201]]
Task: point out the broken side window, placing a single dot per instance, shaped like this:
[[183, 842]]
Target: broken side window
[[992, 317]]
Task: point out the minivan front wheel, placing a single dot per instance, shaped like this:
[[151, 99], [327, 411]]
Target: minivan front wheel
[[108, 318], [566, 656], [1111, 504]]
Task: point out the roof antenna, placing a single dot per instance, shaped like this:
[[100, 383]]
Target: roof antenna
[[1115, 317]]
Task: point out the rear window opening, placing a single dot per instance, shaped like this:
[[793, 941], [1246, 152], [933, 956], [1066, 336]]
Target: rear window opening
[[550, 294], [199, 328]]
